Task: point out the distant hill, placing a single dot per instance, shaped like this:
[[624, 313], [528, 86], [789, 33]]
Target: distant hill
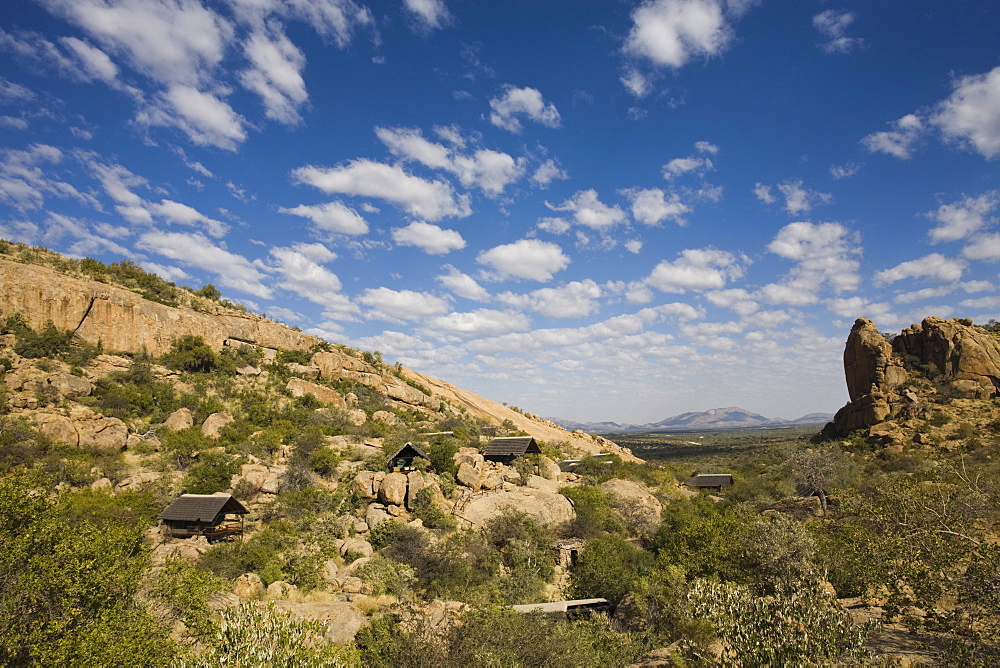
[[714, 418]]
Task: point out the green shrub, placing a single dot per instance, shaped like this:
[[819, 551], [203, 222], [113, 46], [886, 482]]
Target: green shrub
[[49, 342], [594, 515], [211, 474], [191, 353], [608, 567]]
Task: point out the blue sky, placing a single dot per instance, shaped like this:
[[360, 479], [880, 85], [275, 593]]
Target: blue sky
[[591, 210]]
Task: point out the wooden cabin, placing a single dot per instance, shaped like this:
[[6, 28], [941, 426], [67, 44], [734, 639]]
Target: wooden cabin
[[577, 608], [214, 516], [711, 481], [508, 448], [404, 457]]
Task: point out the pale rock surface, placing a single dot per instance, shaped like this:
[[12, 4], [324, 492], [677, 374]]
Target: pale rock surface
[[326, 395], [103, 484], [282, 591], [375, 515], [108, 434], [358, 546], [364, 484], [213, 424], [468, 475], [248, 585], [303, 371], [393, 489], [182, 418], [70, 386], [634, 503], [538, 482], [546, 508], [385, 417], [414, 483], [58, 428], [343, 620], [469, 456]]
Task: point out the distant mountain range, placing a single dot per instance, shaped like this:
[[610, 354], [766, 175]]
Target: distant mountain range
[[714, 418]]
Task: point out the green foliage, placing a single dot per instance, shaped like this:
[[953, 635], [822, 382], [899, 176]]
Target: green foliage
[[20, 444], [184, 591], [804, 629], [609, 567], [69, 588], [267, 553], [209, 292], [130, 275], [324, 461], [498, 636], [594, 512], [211, 474], [441, 452], [385, 576], [303, 357], [455, 567], [49, 342], [191, 353], [524, 549], [426, 510], [251, 635], [704, 539], [184, 443], [135, 393]]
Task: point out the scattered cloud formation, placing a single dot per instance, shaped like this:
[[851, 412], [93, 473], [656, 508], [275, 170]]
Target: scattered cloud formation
[[432, 239], [970, 118], [798, 199], [507, 109], [832, 25], [960, 219], [529, 259], [934, 266]]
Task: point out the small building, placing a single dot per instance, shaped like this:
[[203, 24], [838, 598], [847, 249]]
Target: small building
[[215, 516], [403, 459], [508, 448], [711, 481]]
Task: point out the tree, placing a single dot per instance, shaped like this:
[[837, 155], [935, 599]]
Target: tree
[[209, 292], [190, 353], [819, 470], [609, 568], [69, 589]]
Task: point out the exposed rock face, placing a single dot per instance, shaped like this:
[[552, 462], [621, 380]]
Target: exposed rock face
[[546, 508], [957, 351], [103, 433], [122, 320], [952, 352], [327, 395], [634, 503], [57, 427], [179, 419], [393, 489], [212, 427], [343, 620]]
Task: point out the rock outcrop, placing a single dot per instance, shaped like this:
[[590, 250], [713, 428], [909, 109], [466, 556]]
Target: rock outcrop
[[954, 356]]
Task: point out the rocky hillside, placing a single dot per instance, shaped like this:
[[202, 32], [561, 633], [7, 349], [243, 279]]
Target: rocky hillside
[[43, 287]]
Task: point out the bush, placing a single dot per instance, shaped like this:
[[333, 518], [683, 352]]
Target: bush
[[190, 353], [610, 568], [211, 474], [594, 515], [49, 342]]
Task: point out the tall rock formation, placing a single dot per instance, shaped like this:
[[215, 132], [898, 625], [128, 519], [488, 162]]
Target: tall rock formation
[[959, 358]]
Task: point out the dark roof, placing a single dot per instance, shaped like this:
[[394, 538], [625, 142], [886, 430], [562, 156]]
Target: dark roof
[[202, 507], [510, 445], [710, 480], [409, 450]]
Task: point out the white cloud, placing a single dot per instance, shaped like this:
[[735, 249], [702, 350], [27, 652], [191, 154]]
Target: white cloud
[[983, 247], [636, 82], [175, 212], [479, 323], [396, 305], [333, 217], [832, 24], [844, 171], [960, 219], [764, 193], [633, 245], [173, 41], [303, 274], [430, 14], [25, 183], [590, 212], [900, 141], [651, 206], [547, 172], [528, 102], [94, 63], [696, 270], [491, 171], [982, 302], [680, 166], [934, 266], [797, 198], [196, 250], [824, 254], [431, 238], [202, 116], [672, 32], [968, 287], [463, 285], [554, 225], [573, 300], [736, 300], [276, 75], [430, 200], [971, 116], [529, 259]]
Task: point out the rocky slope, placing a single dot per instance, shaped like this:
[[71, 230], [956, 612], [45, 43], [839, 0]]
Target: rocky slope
[[123, 321]]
